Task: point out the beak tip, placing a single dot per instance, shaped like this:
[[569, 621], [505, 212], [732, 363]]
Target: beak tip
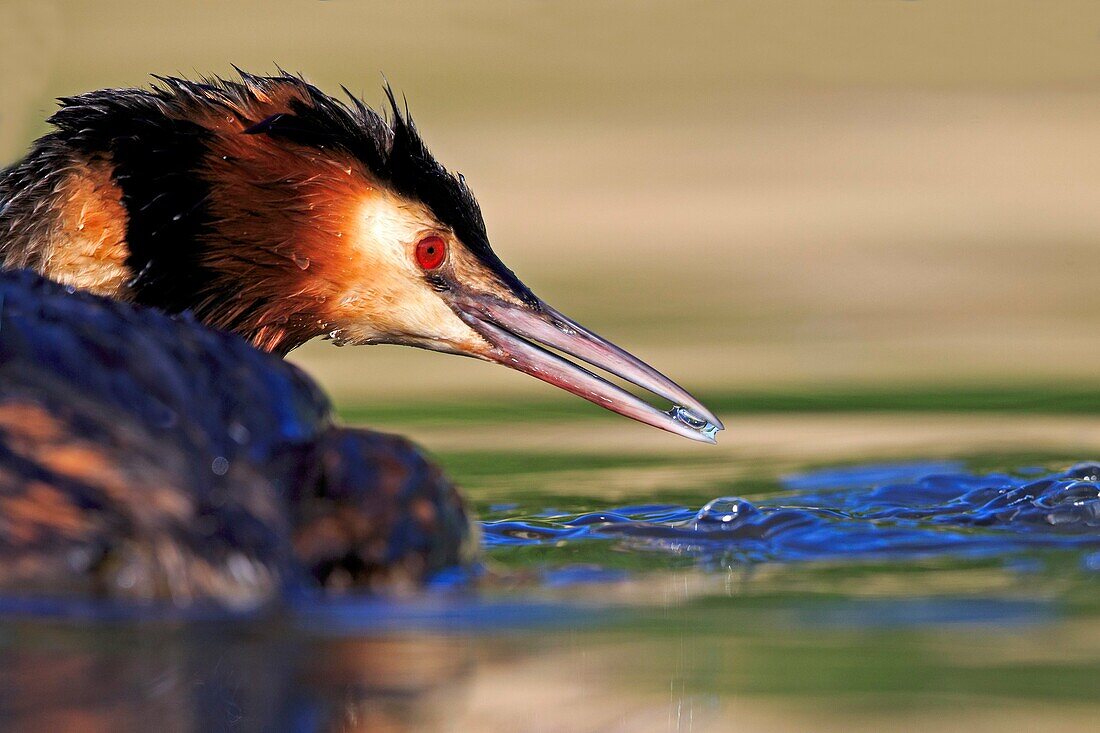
[[713, 423], [705, 437], [690, 424]]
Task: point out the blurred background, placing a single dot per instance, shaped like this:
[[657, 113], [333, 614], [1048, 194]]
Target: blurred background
[[789, 194], [860, 229]]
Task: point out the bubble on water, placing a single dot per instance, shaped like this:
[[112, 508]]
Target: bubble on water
[[724, 513], [1086, 471]]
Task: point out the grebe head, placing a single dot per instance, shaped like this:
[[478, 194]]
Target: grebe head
[[271, 209]]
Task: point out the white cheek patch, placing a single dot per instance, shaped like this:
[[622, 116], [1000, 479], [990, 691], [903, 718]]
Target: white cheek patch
[[387, 230], [394, 303]]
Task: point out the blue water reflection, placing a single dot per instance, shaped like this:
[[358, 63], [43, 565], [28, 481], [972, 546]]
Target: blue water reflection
[[880, 511]]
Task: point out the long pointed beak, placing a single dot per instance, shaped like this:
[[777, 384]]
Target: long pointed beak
[[515, 332]]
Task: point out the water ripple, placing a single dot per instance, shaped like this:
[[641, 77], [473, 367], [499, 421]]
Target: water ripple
[[877, 511]]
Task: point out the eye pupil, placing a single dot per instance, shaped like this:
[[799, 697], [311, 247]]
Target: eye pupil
[[430, 253]]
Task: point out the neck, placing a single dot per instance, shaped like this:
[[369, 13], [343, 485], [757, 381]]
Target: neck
[[67, 217], [62, 215], [187, 222]]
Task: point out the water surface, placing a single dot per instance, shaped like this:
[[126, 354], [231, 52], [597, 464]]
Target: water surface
[[647, 592]]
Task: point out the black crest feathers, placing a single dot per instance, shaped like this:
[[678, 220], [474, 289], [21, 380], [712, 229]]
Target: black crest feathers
[[390, 148]]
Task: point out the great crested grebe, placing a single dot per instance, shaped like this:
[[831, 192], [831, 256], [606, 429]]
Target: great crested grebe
[[268, 209]]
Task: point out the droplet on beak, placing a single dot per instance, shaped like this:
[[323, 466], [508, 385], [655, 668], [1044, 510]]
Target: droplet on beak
[[687, 417]]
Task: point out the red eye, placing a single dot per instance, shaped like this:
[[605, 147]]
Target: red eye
[[430, 252]]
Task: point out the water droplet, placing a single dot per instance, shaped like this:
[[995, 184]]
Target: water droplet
[[220, 466], [80, 559], [1086, 471], [724, 513], [239, 433], [242, 569], [140, 275], [687, 417], [300, 260]]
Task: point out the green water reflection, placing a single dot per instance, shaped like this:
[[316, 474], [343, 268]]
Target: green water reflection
[[657, 643]]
